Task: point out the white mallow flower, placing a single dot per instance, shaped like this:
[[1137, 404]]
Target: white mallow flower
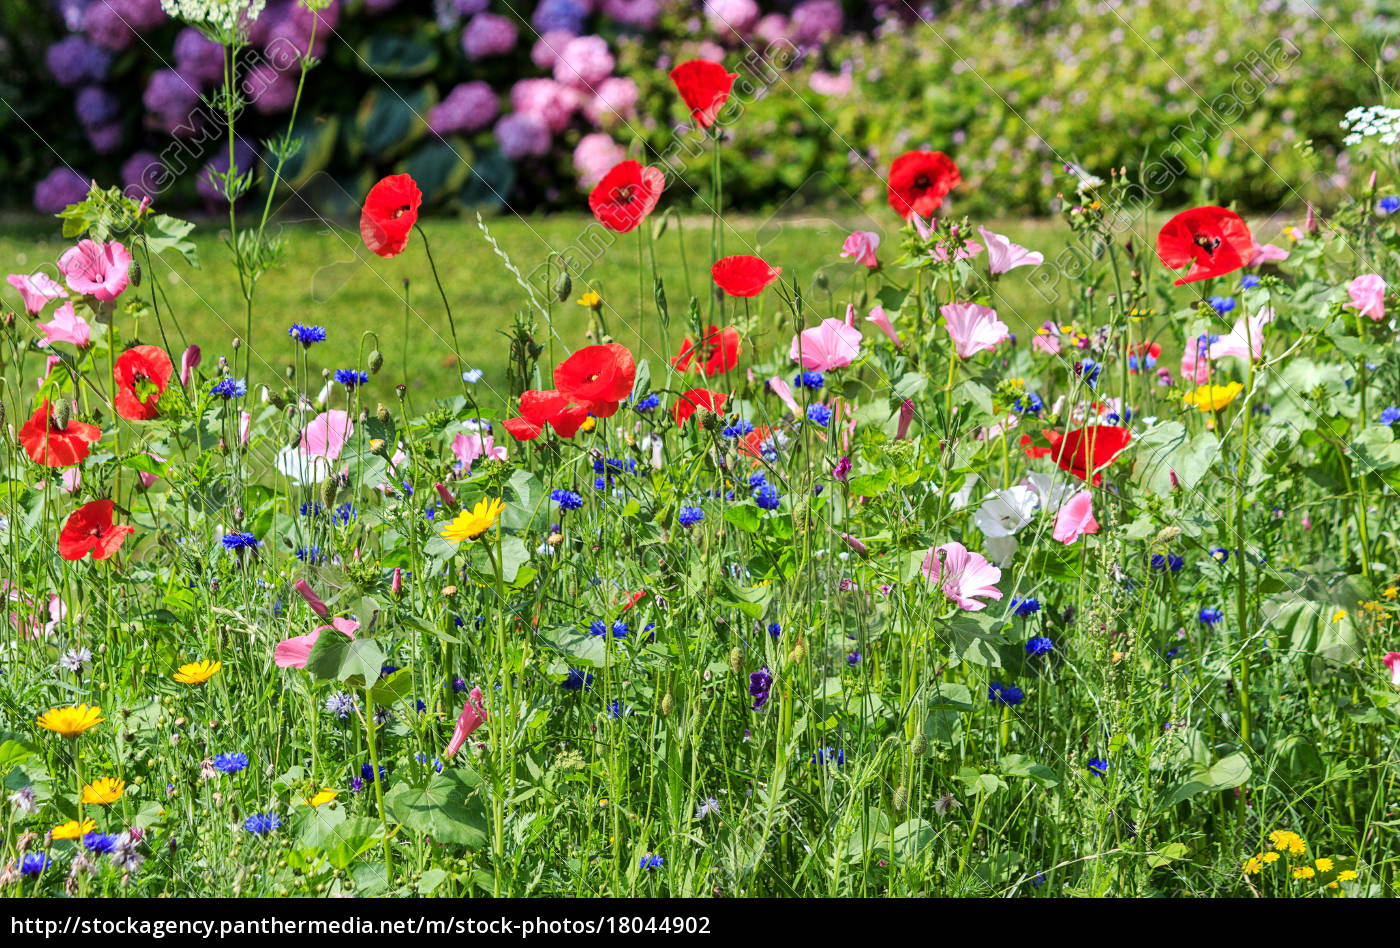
[[1050, 491], [1004, 512]]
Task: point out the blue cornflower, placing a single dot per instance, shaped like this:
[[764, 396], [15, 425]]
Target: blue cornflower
[[651, 862], [422, 758], [1008, 695], [760, 684], [566, 499], [614, 466], [1249, 282], [350, 378], [342, 704], [774, 629], [737, 430], [577, 680], [1025, 607], [100, 843], [1221, 304], [1390, 415], [812, 380], [239, 541], [616, 710], [829, 755], [853, 658], [1389, 204], [309, 554], [1113, 418], [757, 479], [1028, 404], [1170, 561], [767, 496], [311, 509], [306, 335], [260, 824], [230, 763], [690, 516], [343, 514], [1219, 554], [367, 773], [386, 670], [230, 388], [1210, 616], [647, 404], [459, 685], [31, 864], [1089, 370], [819, 413], [1040, 645], [1098, 766]]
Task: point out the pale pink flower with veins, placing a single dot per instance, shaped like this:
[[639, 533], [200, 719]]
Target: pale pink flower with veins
[[71, 480], [294, 652], [967, 251], [1075, 518], [1368, 296], [1003, 255], [37, 289], [99, 270], [878, 317], [66, 326], [831, 345], [1392, 661], [974, 327], [1235, 345], [468, 446], [779, 387], [962, 575], [861, 245], [1267, 253]]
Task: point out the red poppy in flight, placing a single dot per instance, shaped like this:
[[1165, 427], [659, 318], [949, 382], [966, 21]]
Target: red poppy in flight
[[390, 211], [626, 195], [1212, 240], [919, 181]]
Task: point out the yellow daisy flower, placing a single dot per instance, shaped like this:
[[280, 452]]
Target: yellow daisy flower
[[104, 791], [1346, 875], [1271, 857], [1213, 397], [197, 673], [1324, 864], [73, 830], [590, 299], [1304, 872], [470, 524], [1252, 865], [325, 796], [71, 722]]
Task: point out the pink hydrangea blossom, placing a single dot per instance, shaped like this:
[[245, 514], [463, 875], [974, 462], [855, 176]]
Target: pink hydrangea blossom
[[100, 270], [974, 327], [728, 17], [595, 156], [584, 62], [861, 245], [965, 577], [616, 97], [488, 34], [1075, 518], [549, 101], [545, 53]]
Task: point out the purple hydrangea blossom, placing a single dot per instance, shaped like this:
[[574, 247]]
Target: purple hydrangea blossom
[[487, 34], [73, 61], [269, 89], [198, 57], [467, 108], [584, 62], [96, 105], [522, 136], [142, 176], [171, 97], [814, 22], [568, 15], [212, 189], [58, 189], [642, 14]]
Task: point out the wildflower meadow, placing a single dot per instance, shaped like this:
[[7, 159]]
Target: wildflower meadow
[[941, 555]]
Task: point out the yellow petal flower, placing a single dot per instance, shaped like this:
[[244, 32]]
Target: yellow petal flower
[[104, 791], [71, 722], [72, 830], [325, 796], [197, 673], [470, 524], [1213, 397]]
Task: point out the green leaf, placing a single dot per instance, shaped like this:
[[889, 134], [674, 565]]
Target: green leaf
[[353, 662], [744, 516], [393, 689], [1225, 774], [1018, 765], [445, 810]]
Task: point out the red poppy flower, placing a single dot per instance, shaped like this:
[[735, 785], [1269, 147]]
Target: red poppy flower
[[1212, 240], [1146, 354], [89, 529], [720, 352], [390, 211], [742, 275], [752, 443], [597, 377], [626, 195], [1089, 450], [540, 408], [1034, 450], [704, 85], [141, 373], [919, 181], [47, 444], [696, 399]]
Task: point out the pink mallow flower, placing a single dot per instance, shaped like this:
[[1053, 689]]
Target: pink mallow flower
[[882, 322], [1392, 662], [779, 387], [189, 361], [832, 345], [97, 270], [472, 717], [37, 289], [1267, 253], [295, 651], [962, 575], [974, 327], [66, 326], [861, 245], [1368, 296], [468, 446], [1003, 255], [1075, 518]]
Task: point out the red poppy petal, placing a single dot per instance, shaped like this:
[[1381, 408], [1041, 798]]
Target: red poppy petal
[[743, 275], [704, 86]]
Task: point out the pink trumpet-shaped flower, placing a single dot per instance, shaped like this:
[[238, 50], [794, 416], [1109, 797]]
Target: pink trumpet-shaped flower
[[967, 251], [1392, 662], [878, 317], [779, 387], [1235, 343], [906, 416], [1075, 518], [312, 600], [962, 575], [445, 494], [468, 446], [1003, 255], [396, 585], [861, 244], [295, 651], [472, 717], [99, 270], [37, 289], [1267, 253], [855, 544], [831, 345], [974, 328], [66, 326], [188, 361], [326, 434], [1368, 296], [245, 428], [148, 479]]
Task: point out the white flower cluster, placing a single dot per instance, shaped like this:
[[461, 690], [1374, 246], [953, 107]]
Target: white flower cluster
[[1374, 121], [220, 17]]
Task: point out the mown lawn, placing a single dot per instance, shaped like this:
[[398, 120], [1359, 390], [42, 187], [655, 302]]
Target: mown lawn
[[328, 278]]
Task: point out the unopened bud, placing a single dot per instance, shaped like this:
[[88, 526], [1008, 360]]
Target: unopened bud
[[294, 439], [62, 413], [133, 271], [668, 704], [330, 487], [901, 799], [376, 362], [736, 660], [563, 288], [919, 745], [378, 446], [382, 414]]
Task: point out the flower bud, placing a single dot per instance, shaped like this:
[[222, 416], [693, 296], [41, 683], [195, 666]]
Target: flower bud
[[62, 413], [668, 704], [736, 660], [376, 362], [563, 287], [330, 487], [382, 414]]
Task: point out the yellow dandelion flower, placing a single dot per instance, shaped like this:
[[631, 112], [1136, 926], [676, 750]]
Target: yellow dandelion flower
[[197, 673], [1304, 872], [1271, 857], [589, 424], [1339, 615], [470, 524], [104, 791], [1253, 864], [1285, 840], [1391, 592], [1213, 397], [73, 830], [325, 796], [1324, 864], [71, 722], [590, 299], [1346, 875]]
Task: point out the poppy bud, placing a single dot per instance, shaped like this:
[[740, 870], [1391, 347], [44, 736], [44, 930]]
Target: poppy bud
[[798, 653], [901, 799], [329, 488], [294, 439], [736, 660], [919, 745], [376, 362], [712, 421], [278, 402], [133, 272], [62, 413], [563, 287], [382, 414], [237, 343], [668, 704]]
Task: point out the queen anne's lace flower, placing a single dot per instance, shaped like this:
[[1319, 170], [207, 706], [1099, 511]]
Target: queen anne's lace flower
[[1375, 121]]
